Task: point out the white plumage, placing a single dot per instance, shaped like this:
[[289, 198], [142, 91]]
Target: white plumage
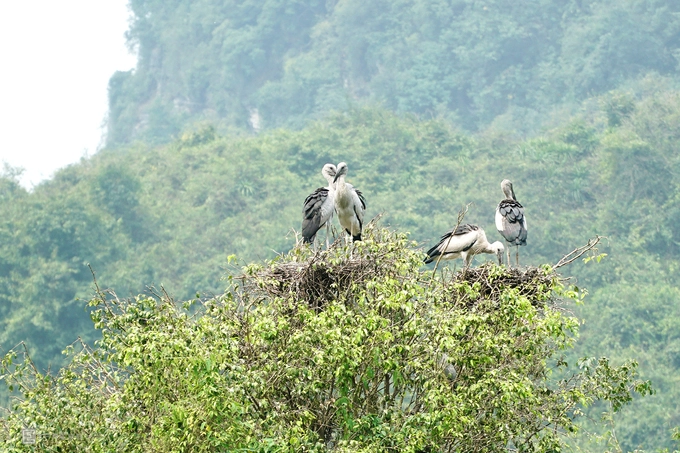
[[465, 242], [349, 204]]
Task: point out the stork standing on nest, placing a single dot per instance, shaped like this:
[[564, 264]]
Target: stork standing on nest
[[465, 242], [349, 204], [319, 207], [510, 220]]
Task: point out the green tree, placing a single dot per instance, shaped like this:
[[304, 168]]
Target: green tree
[[294, 61], [350, 349]]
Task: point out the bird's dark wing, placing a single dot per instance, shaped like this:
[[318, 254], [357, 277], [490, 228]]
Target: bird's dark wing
[[361, 197], [512, 210], [312, 213], [462, 229], [453, 242], [514, 224]]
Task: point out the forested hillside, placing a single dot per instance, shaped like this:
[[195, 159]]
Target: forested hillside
[[171, 216], [240, 64], [221, 131]]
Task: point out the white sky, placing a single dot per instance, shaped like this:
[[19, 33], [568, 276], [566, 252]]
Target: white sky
[[56, 59]]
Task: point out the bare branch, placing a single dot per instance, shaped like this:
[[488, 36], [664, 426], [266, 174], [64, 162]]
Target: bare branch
[[577, 253]]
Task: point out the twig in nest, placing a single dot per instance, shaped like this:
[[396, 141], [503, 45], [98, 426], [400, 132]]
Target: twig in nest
[[577, 253]]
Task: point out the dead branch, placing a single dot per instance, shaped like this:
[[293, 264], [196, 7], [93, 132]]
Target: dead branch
[[578, 252]]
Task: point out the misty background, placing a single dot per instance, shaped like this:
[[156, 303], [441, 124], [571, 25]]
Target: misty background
[[57, 58], [217, 126]]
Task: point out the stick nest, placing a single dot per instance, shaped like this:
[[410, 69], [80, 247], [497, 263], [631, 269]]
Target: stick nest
[[317, 281], [532, 282], [324, 276]]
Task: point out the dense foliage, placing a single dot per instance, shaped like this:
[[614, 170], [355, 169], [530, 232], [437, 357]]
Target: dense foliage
[[353, 349], [172, 215], [600, 77], [288, 61]]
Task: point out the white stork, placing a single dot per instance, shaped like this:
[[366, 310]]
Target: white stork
[[319, 207], [510, 220], [465, 242], [349, 204]]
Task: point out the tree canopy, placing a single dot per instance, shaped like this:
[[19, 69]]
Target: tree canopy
[[172, 216], [292, 61], [431, 103], [353, 349]]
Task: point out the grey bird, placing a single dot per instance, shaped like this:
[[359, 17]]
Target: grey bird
[[319, 207], [349, 204], [510, 220], [465, 242]]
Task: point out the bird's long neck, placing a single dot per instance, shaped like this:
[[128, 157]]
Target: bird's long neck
[[341, 192], [340, 185], [483, 243]]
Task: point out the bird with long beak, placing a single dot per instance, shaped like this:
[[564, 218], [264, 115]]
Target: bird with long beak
[[510, 220], [349, 204], [465, 242]]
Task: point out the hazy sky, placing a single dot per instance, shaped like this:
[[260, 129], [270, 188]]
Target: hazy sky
[[57, 57]]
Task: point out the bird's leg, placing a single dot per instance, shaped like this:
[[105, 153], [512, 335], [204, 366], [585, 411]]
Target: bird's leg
[[348, 244], [517, 256], [467, 261], [508, 256], [328, 232]]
